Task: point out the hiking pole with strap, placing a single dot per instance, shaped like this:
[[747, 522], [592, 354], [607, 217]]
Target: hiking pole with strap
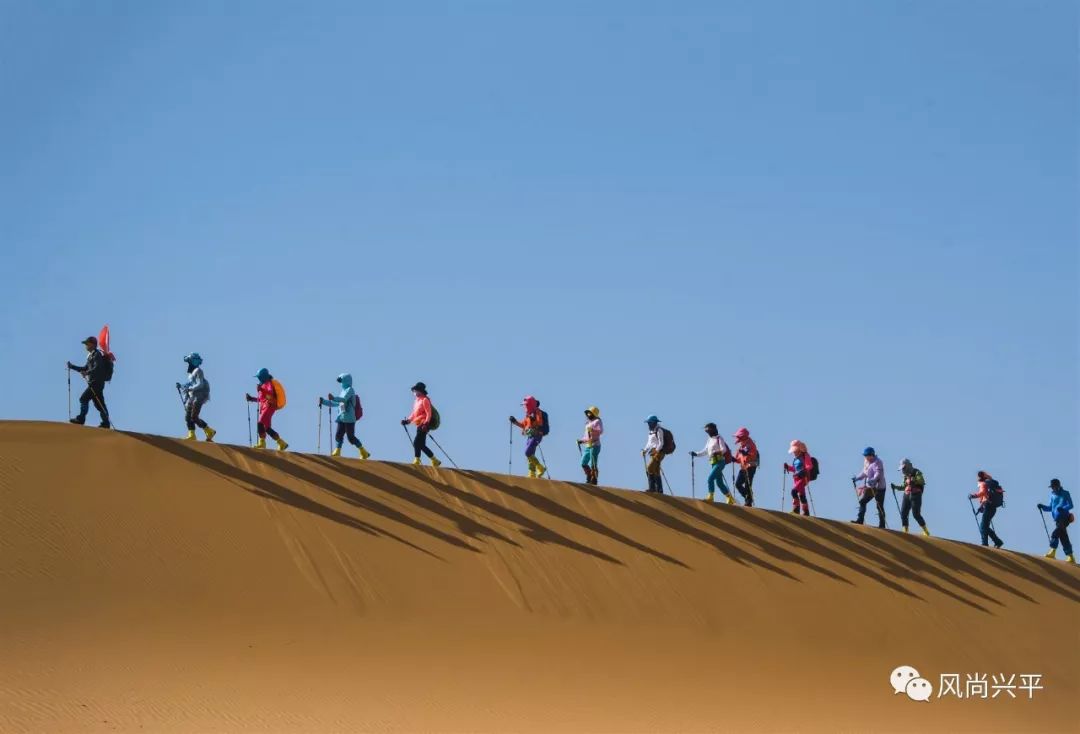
[[1046, 530], [664, 477], [436, 442], [783, 490], [510, 461], [547, 469], [100, 405], [810, 496], [693, 479], [69, 392], [895, 500], [975, 514], [318, 443], [251, 441], [180, 393]]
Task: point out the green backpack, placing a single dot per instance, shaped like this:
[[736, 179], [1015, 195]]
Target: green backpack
[[436, 420]]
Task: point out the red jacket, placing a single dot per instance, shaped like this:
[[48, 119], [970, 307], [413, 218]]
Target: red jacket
[[421, 412]]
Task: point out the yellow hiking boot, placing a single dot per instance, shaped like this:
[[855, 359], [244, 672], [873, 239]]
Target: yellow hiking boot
[[336, 451], [190, 436], [540, 470], [416, 461], [926, 531], [210, 433], [730, 500], [435, 462], [364, 454], [709, 497], [1052, 553], [905, 528], [261, 443], [1071, 560], [281, 445]]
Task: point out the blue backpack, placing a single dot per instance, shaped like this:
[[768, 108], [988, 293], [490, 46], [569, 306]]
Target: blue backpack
[[545, 427]]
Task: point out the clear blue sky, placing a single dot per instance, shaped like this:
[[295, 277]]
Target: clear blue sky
[[848, 222]]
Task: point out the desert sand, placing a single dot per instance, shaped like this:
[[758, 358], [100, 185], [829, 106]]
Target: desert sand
[[149, 584]]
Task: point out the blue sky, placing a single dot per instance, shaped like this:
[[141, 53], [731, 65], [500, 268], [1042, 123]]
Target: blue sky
[[851, 223]]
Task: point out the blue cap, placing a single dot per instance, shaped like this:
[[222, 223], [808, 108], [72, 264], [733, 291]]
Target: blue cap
[[193, 359], [262, 375], [868, 451], [652, 419]]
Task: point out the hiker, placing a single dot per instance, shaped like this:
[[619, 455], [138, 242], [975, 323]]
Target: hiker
[[350, 413], [655, 450], [913, 486], [195, 393], [719, 453], [421, 417], [748, 459], [800, 469], [269, 397], [873, 479], [532, 427], [1060, 508], [594, 428], [991, 496], [96, 372]]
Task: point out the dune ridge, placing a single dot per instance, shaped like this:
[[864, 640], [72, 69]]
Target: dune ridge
[[150, 584]]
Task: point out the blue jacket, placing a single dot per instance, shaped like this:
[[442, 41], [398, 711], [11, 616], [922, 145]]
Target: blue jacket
[[1060, 505], [197, 385], [347, 400]]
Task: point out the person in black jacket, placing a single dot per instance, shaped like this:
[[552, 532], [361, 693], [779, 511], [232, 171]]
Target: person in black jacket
[[96, 373]]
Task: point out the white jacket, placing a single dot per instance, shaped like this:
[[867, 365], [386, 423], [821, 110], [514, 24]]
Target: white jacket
[[715, 446], [656, 441]]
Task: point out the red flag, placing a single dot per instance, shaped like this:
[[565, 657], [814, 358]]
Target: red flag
[[103, 341]]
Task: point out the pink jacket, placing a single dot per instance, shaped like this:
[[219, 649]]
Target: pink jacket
[[421, 411]]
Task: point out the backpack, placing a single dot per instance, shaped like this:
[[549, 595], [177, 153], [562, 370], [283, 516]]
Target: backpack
[[436, 420], [997, 494], [358, 409], [279, 395], [545, 428], [668, 446], [815, 469], [109, 362]]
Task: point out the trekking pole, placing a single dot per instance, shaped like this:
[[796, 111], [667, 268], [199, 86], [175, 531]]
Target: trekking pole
[[693, 479], [251, 441], [1046, 530], [100, 405], [662, 474], [544, 460], [436, 442], [510, 461], [896, 501], [976, 516], [810, 496], [318, 443], [783, 490], [69, 391], [180, 394]]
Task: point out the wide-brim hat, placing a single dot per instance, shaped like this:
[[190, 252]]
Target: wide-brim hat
[[420, 387]]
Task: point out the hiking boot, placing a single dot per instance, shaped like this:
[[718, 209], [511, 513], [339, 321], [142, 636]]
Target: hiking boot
[[730, 500], [336, 451], [1070, 560], [281, 445], [261, 443], [905, 528], [794, 510], [857, 522], [364, 453], [998, 543], [532, 473], [540, 470], [190, 436], [210, 433], [806, 511], [105, 424], [416, 461], [749, 501], [926, 531], [1052, 553], [77, 420], [881, 526], [435, 462], [709, 497]]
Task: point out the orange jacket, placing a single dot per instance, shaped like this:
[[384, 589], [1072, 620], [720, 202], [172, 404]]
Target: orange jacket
[[421, 411]]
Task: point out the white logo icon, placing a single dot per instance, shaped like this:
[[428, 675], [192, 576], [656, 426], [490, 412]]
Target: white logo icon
[[919, 689], [901, 677]]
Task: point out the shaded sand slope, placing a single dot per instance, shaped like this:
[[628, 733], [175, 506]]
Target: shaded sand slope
[[156, 585]]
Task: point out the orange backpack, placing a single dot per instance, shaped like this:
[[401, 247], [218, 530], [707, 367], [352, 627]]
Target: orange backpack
[[279, 395]]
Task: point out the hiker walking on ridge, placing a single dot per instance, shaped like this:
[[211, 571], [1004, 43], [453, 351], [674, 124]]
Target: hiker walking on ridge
[[873, 479], [659, 444], [1060, 509], [97, 371], [801, 469], [913, 486], [991, 496], [749, 460], [534, 428], [270, 396], [195, 393], [422, 416], [590, 442], [719, 453], [351, 412]]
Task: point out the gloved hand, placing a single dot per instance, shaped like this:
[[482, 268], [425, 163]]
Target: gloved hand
[[329, 396], [404, 421], [249, 398], [693, 453], [788, 469], [70, 366], [511, 419], [579, 442], [1043, 508], [178, 386], [854, 479], [643, 452]]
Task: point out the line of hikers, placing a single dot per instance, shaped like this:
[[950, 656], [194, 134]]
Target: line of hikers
[[535, 426]]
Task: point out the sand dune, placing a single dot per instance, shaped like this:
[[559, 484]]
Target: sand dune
[[148, 584]]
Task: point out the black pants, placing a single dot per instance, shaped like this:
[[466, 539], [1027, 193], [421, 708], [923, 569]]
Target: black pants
[[349, 430], [94, 392], [267, 431], [419, 443], [1061, 535], [912, 505], [744, 482], [192, 408], [988, 512], [878, 495]]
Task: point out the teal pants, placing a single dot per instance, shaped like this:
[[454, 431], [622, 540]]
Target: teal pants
[[716, 476], [590, 456]]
